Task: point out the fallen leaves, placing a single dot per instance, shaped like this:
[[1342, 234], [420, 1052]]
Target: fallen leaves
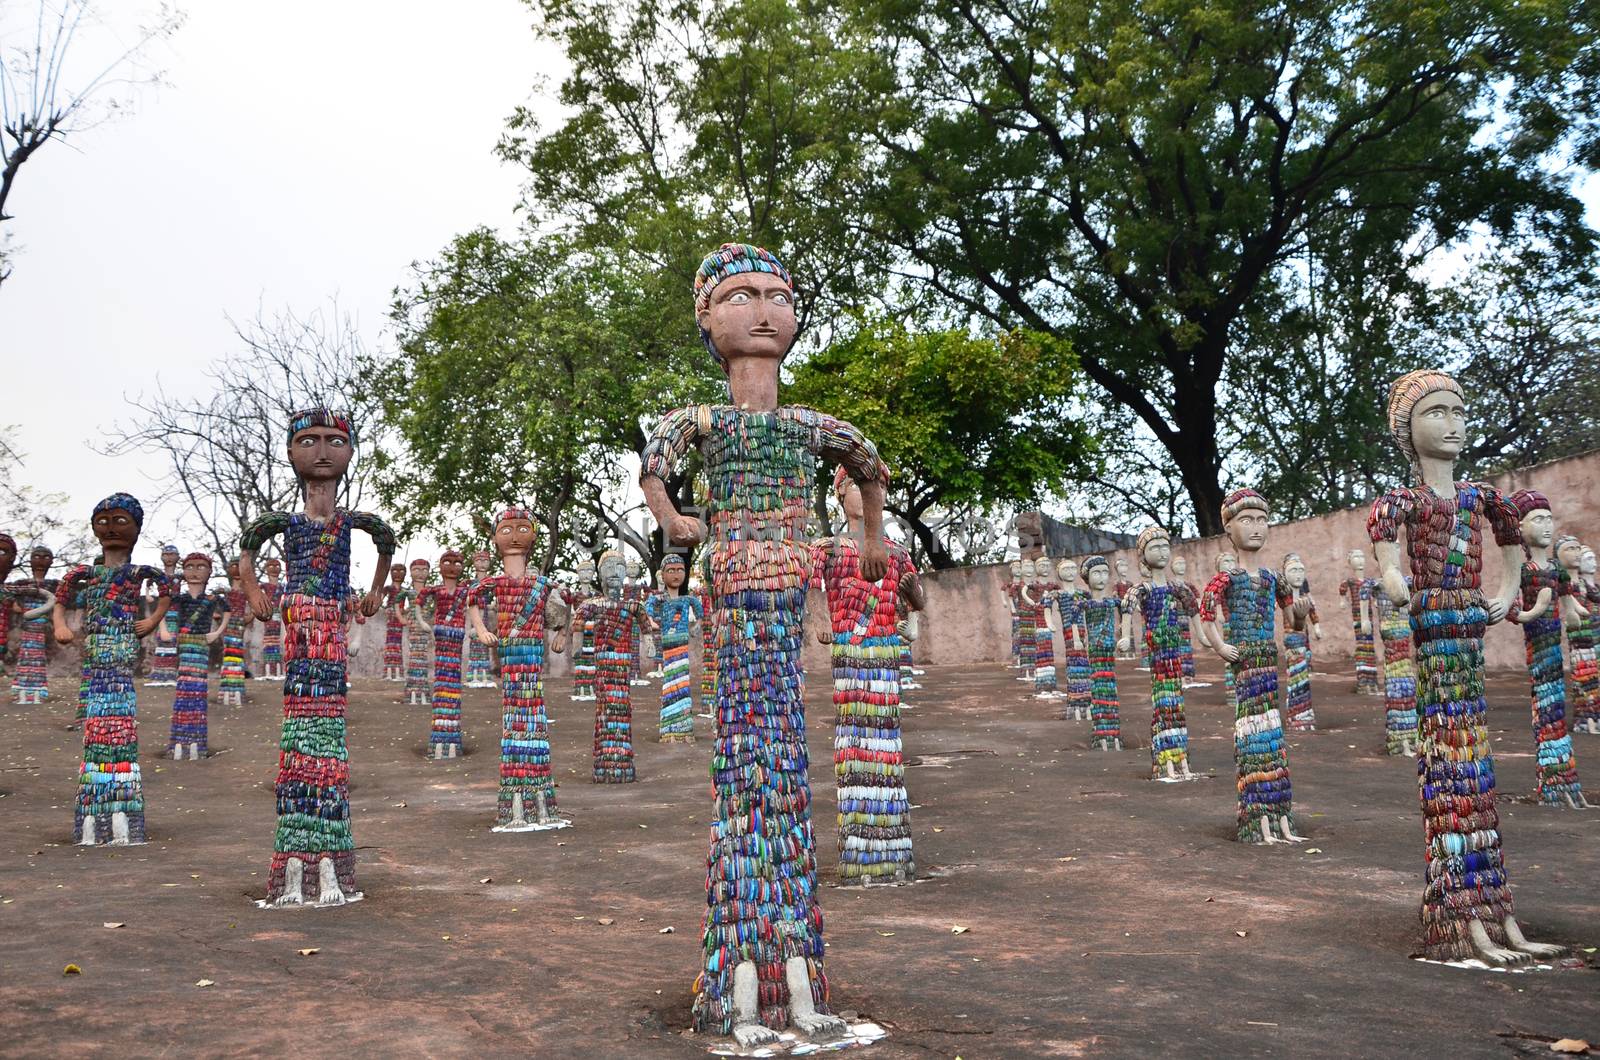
[[957, 929], [606, 921], [1242, 934], [112, 924], [205, 982], [1313, 850], [72, 969], [309, 950], [1569, 1045], [666, 930]]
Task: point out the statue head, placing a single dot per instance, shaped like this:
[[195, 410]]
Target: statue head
[[451, 564], [1180, 566], [1244, 517], [744, 304], [1538, 525], [170, 557], [1358, 560], [848, 493], [1067, 571], [196, 571], [1014, 568], [674, 571], [1294, 571], [1226, 561], [39, 560], [1097, 572], [397, 574], [116, 522], [513, 536], [613, 572], [321, 444], [1154, 548], [420, 568], [480, 562], [583, 571], [1028, 571], [274, 568], [1427, 417], [1569, 553], [1586, 562]]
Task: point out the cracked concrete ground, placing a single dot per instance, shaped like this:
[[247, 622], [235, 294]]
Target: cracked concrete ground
[[1106, 915]]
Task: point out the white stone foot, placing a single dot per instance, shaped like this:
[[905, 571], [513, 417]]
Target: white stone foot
[[1488, 952], [86, 837], [1288, 830], [748, 1030], [328, 884], [803, 1012], [1266, 831], [293, 877], [1538, 949], [119, 829]]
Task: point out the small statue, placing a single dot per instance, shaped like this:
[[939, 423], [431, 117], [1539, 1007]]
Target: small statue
[[480, 662], [1399, 675], [1070, 602], [1250, 648], [636, 590], [583, 665], [1010, 587], [1102, 615], [763, 960], [313, 783], [1466, 904], [615, 619], [445, 605], [1180, 571], [164, 658], [1120, 589], [1580, 563], [272, 626], [1039, 596], [419, 635], [197, 608], [1225, 561], [1030, 618], [31, 681], [230, 682], [1162, 604], [1359, 589], [394, 625], [708, 644], [1300, 624], [868, 754], [526, 606], [110, 803], [1549, 602], [675, 612]]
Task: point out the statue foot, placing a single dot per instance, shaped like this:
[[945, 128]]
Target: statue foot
[[748, 1030], [751, 1035], [1288, 830], [328, 884], [1520, 942], [1487, 951], [1266, 831], [1116, 744], [86, 833], [293, 877], [803, 1013], [119, 829], [1172, 771], [194, 752]]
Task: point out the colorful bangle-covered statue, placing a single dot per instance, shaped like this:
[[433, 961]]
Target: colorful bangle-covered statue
[[110, 803], [1580, 563], [1102, 616], [865, 634], [479, 666], [1225, 562], [197, 608], [1180, 572], [314, 853], [1039, 596], [1466, 905], [1548, 603], [31, 681], [614, 617], [446, 605], [526, 606], [708, 644], [675, 612], [394, 625], [164, 657], [583, 663], [1162, 604], [636, 591], [763, 964], [1300, 624], [1010, 587], [1359, 590], [1030, 618], [414, 610], [1399, 675], [230, 681], [1250, 648], [1120, 589], [272, 626], [1070, 602]]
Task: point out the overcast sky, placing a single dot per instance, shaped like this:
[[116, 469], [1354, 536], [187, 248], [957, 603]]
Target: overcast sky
[[301, 151]]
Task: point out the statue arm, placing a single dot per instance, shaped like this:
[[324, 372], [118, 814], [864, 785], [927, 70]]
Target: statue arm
[[1383, 528]]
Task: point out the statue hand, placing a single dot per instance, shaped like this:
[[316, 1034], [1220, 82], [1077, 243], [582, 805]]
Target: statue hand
[[558, 643], [1394, 584], [63, 634], [1496, 609], [487, 638], [370, 603], [258, 604], [824, 636], [1316, 630], [874, 560], [686, 531], [143, 626], [1366, 626], [163, 637], [1229, 652], [1125, 645]]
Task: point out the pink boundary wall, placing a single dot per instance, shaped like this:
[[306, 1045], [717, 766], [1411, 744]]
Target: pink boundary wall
[[967, 621]]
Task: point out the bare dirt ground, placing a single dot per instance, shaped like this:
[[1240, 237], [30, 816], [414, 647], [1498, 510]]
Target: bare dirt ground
[[1105, 915]]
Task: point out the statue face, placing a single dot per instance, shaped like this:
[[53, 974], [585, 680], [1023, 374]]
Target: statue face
[[320, 454], [1294, 572], [1027, 570], [1586, 561], [1539, 528], [1226, 561], [849, 496], [1358, 559], [1248, 530], [635, 569], [480, 561], [1122, 568], [195, 575], [1099, 577], [39, 560], [233, 570], [419, 573], [751, 315], [114, 529], [1067, 571], [397, 574], [612, 574], [1570, 555], [1015, 567], [169, 559], [450, 567], [274, 568], [1439, 425], [1158, 553], [674, 575], [512, 537], [1180, 566]]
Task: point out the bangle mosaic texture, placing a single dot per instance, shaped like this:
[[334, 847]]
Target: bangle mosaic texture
[[196, 615], [1101, 619], [675, 615], [1357, 591], [1161, 607], [521, 615], [1399, 675], [1557, 767]]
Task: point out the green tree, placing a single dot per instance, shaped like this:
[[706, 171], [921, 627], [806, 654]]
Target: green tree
[[965, 423]]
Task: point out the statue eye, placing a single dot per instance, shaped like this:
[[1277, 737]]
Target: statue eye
[[781, 298], [738, 298]]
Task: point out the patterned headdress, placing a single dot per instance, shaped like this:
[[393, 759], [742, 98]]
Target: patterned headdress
[[1527, 501], [199, 557], [1404, 393], [513, 513], [173, 549], [1148, 535], [321, 417], [451, 554], [672, 559], [730, 259], [9, 541], [41, 550], [124, 502], [424, 564], [1241, 501], [1091, 563], [1567, 539]]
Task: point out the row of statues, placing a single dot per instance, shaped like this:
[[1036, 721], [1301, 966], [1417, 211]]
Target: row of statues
[[762, 965]]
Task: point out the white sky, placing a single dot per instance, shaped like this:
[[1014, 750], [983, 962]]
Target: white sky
[[301, 150]]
